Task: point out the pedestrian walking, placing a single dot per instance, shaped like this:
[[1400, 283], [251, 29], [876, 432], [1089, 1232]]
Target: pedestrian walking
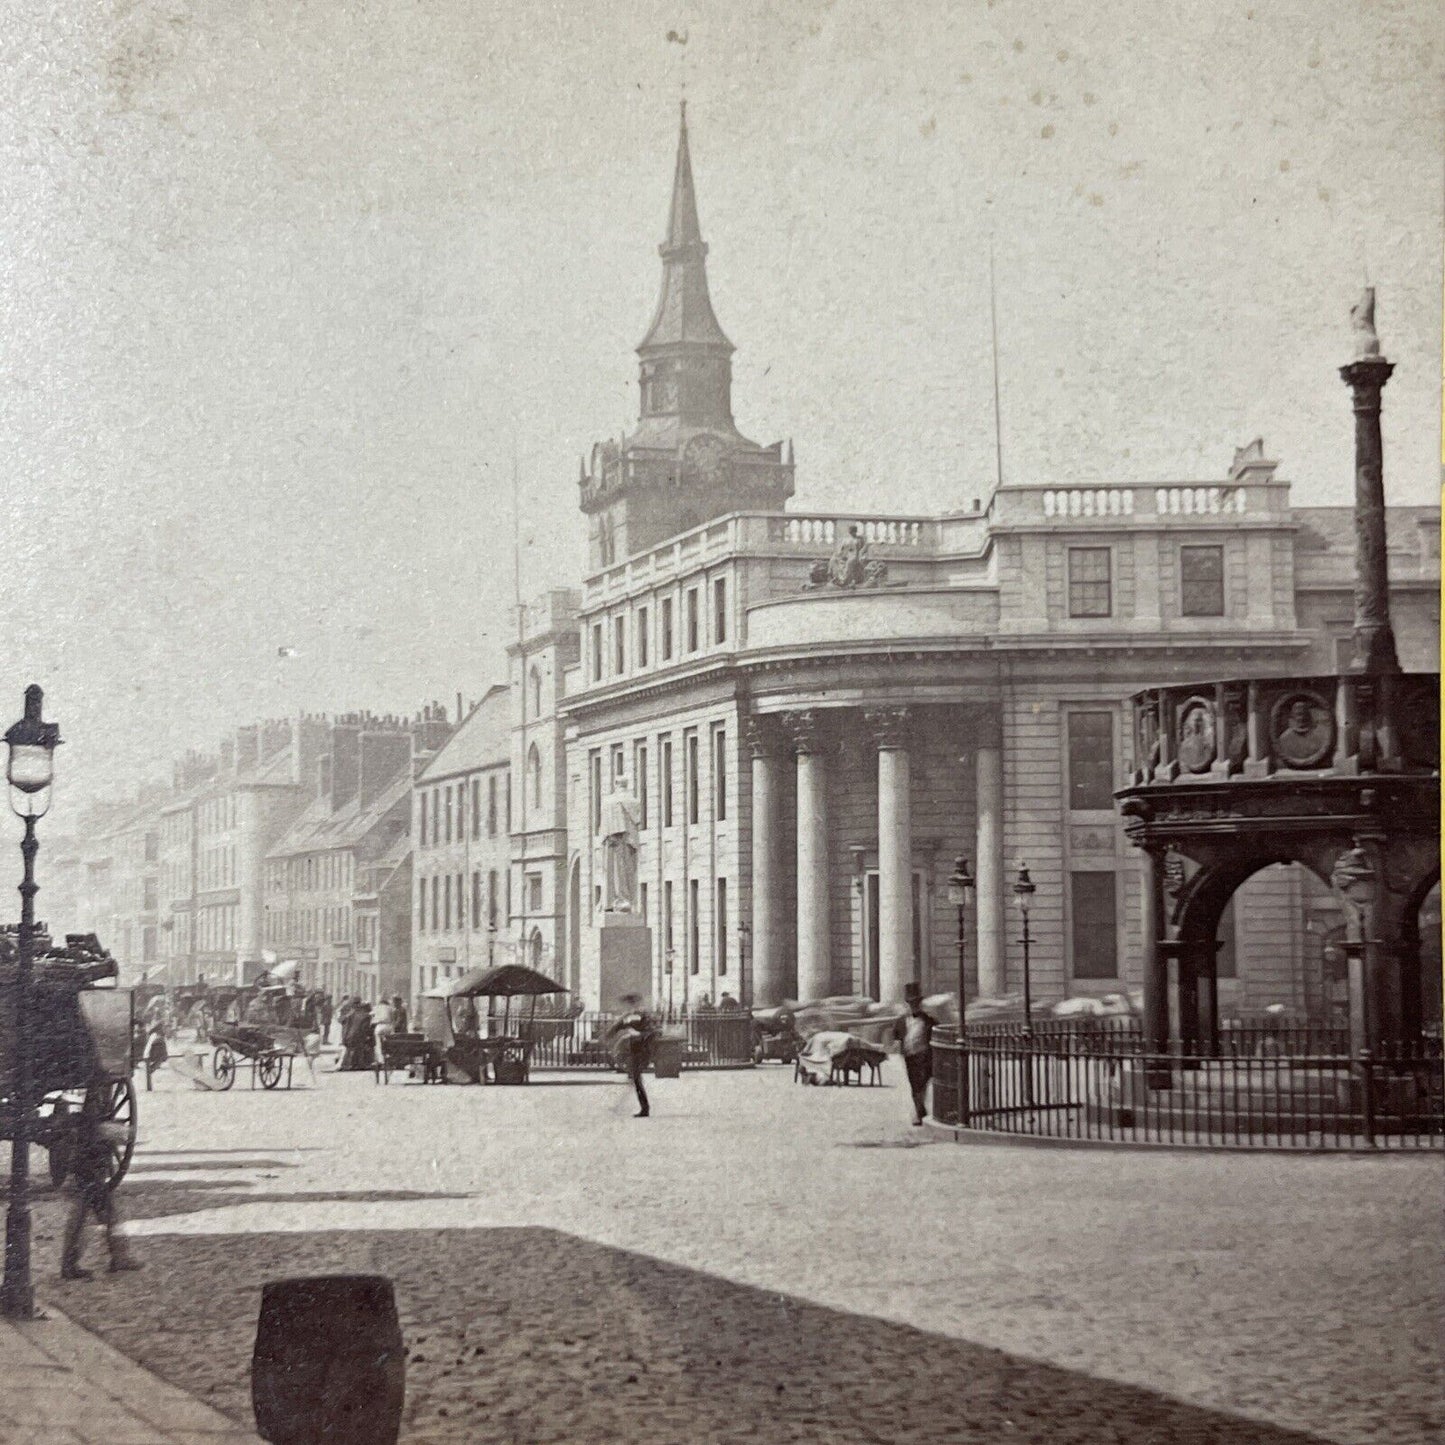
[[399, 1017], [327, 1009], [92, 1196], [356, 1039], [634, 1035], [914, 1032], [383, 1025]]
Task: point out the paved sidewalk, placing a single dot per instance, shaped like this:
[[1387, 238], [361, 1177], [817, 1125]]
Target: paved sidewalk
[[63, 1386]]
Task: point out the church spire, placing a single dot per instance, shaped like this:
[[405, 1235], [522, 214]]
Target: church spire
[[684, 316]]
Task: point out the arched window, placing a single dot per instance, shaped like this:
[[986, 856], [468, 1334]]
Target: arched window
[[534, 773], [536, 691]]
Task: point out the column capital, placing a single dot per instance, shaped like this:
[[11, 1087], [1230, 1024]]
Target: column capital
[[888, 725], [762, 735], [804, 727]]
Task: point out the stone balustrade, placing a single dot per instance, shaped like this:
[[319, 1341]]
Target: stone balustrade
[[828, 530]]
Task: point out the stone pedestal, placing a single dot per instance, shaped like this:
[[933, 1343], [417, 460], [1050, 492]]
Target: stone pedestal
[[624, 961]]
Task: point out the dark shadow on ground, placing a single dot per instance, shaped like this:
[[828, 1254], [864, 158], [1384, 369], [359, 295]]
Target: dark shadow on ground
[[528, 1335], [179, 1166]]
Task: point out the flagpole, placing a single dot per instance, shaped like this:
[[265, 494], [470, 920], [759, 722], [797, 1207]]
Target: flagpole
[[993, 329]]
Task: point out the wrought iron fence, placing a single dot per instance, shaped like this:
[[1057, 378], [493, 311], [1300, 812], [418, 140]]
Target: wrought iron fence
[[1079, 1085], [710, 1041]]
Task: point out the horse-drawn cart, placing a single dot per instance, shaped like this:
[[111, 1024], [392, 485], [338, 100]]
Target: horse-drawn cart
[[79, 1038]]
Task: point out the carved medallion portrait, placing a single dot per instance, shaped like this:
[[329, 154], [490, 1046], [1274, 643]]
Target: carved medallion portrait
[[1196, 735], [1303, 730]]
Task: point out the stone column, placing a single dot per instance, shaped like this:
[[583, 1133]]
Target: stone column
[[769, 986], [895, 851], [1366, 376], [1156, 957], [988, 849], [814, 941]]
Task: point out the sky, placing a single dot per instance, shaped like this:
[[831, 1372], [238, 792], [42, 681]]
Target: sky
[[290, 286]]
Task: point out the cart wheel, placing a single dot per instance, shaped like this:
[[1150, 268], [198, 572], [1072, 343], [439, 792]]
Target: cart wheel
[[223, 1066], [62, 1142], [118, 1116], [269, 1066]]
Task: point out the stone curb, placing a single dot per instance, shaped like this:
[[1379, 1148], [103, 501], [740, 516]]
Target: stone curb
[[62, 1383]]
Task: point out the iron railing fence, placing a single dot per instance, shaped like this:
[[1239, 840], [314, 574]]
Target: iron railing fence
[[1072, 1087], [710, 1041], [1236, 1037]]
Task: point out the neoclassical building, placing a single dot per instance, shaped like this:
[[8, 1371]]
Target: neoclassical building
[[818, 712]]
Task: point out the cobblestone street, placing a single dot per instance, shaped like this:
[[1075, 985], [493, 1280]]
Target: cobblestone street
[[572, 1267]]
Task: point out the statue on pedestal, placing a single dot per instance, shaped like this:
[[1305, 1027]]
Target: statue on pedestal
[[621, 814]]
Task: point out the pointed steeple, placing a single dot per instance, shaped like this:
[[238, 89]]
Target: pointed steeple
[[684, 315]]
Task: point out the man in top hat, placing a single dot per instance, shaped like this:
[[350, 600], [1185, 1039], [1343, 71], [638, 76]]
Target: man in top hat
[[914, 1032]]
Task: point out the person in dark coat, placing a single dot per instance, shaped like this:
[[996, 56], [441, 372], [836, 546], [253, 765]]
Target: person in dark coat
[[914, 1032], [357, 1039], [92, 1195], [325, 1008], [633, 1036]]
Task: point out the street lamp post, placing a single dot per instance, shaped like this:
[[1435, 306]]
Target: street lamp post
[[960, 885], [30, 770], [1023, 895], [745, 988]]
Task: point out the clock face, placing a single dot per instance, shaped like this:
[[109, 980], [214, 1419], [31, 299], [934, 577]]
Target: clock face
[[705, 459]]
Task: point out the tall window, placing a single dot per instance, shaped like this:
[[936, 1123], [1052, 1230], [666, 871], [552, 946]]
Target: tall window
[[692, 796], [536, 681], [596, 652], [619, 763], [461, 811], [1090, 589], [639, 769], [420, 905], [669, 938], [491, 805], [692, 619], [721, 925], [594, 787], [1094, 930], [436, 815], [422, 831], [447, 902], [449, 814], [719, 774], [1201, 581], [492, 899], [461, 900], [534, 774], [619, 645], [476, 807], [694, 963], [507, 798], [665, 641], [476, 899], [1091, 760], [720, 609], [640, 649], [666, 781], [436, 912]]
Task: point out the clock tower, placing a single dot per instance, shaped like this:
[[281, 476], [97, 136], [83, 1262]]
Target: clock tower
[[685, 462]]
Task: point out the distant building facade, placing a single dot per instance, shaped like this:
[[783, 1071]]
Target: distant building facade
[[818, 712]]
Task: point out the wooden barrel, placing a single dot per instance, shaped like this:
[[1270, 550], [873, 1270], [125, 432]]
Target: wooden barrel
[[328, 1363]]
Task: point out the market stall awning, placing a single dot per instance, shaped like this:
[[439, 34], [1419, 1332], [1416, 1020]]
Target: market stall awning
[[506, 980]]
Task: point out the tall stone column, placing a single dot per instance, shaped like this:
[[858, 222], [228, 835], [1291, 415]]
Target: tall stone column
[[769, 985], [814, 941], [988, 849], [889, 727], [1156, 957], [1366, 376]]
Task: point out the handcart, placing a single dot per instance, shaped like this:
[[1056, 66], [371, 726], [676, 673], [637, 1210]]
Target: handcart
[[269, 1049]]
